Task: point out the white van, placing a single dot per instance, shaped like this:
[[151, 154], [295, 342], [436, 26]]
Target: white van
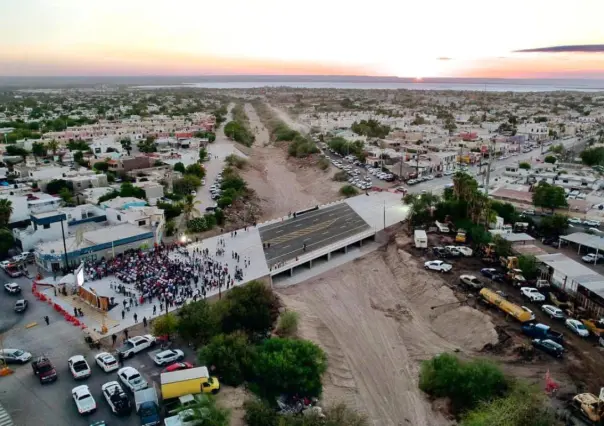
[[420, 238], [442, 227]]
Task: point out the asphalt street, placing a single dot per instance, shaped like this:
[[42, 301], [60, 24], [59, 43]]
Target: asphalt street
[[33, 404], [316, 229]]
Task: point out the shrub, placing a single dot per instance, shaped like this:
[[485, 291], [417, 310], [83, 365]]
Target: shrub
[[323, 163], [524, 165], [224, 202], [259, 413], [235, 161], [550, 159], [239, 132], [348, 191], [179, 167], [231, 354], [196, 170], [165, 325], [197, 224], [288, 324], [465, 383], [340, 176]]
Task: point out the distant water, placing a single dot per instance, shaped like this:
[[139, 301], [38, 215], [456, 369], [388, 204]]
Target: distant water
[[492, 86]]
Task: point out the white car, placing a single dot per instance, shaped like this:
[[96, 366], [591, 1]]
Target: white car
[[575, 220], [78, 367], [116, 398], [132, 379], [167, 357], [14, 356], [577, 327], [107, 362], [591, 223], [438, 265], [12, 288], [532, 294], [466, 251], [83, 399], [553, 312], [592, 258]]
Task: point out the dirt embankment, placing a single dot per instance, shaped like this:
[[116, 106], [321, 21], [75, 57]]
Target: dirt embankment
[[281, 185], [377, 318]]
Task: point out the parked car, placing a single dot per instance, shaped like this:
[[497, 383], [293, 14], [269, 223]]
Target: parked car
[[116, 398], [168, 356], [592, 258], [575, 220], [177, 366], [106, 361], [466, 251], [577, 327], [83, 399], [438, 265], [593, 223], [78, 367], [529, 212], [44, 369], [549, 346], [132, 379], [21, 305], [553, 312], [471, 281], [532, 294], [492, 273], [136, 344], [12, 288], [14, 356]]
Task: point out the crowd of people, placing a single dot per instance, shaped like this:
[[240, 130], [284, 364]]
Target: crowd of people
[[169, 275]]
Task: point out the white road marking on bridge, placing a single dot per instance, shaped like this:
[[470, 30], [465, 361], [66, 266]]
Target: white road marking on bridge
[[279, 231], [285, 247], [298, 225], [325, 233]]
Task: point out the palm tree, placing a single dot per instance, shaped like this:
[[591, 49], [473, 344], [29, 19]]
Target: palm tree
[[53, 145], [189, 208], [6, 210], [422, 207]]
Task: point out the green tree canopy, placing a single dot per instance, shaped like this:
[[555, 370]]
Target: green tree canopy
[[529, 265], [196, 170], [16, 151], [371, 128], [6, 210], [197, 322], [549, 196], [55, 186], [179, 167], [165, 325], [554, 225], [525, 165], [286, 366], [550, 159], [593, 156], [7, 241], [252, 308], [231, 354], [38, 149], [186, 184]]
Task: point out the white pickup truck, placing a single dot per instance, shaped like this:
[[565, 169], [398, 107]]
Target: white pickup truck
[[532, 294], [136, 344]]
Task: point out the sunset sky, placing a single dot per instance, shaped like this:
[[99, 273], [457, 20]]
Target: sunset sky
[[427, 38]]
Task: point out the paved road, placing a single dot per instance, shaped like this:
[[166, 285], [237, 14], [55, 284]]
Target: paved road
[[32, 404], [316, 229]]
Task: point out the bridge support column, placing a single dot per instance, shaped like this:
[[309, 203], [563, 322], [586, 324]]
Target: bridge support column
[[361, 243], [328, 256], [291, 272], [310, 264], [345, 249]]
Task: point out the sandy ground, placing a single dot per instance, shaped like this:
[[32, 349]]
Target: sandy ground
[[281, 185], [374, 319], [233, 399]]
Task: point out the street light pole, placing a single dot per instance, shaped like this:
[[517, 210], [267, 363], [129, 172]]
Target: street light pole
[[64, 244]]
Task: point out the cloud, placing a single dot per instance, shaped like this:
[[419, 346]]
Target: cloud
[[578, 48], [444, 58]]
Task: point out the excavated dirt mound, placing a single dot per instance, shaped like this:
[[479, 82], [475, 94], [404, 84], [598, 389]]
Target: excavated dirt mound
[[377, 318]]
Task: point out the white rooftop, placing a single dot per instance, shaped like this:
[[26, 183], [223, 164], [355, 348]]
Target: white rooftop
[[584, 239]]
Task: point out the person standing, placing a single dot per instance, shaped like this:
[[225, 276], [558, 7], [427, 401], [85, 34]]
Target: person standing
[[145, 322], [154, 310], [113, 339], [47, 320], [135, 318]]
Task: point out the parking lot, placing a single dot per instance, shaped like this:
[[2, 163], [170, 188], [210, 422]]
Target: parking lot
[[31, 403], [359, 175]]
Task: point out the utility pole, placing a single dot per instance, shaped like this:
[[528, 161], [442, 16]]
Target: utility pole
[[488, 175], [64, 244]]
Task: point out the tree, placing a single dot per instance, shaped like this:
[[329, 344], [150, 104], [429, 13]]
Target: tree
[[196, 170], [205, 412], [53, 146], [252, 308], [259, 413], [506, 211], [148, 145], [203, 154], [422, 206], [7, 241], [56, 185], [529, 266], [290, 367], [502, 246], [170, 227], [593, 156], [465, 383], [189, 208], [557, 149], [6, 210], [66, 195], [524, 165], [101, 166], [550, 159], [16, 151], [185, 185], [231, 354], [554, 225], [198, 322], [129, 190], [179, 167], [549, 196], [38, 149], [165, 325], [211, 137], [348, 191]]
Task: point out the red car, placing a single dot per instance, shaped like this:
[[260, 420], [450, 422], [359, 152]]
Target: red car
[[177, 366]]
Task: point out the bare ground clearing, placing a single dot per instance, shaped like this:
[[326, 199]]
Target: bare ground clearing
[[281, 185], [374, 319]]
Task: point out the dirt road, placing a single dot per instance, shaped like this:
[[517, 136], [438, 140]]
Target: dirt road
[[374, 319], [281, 186]]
